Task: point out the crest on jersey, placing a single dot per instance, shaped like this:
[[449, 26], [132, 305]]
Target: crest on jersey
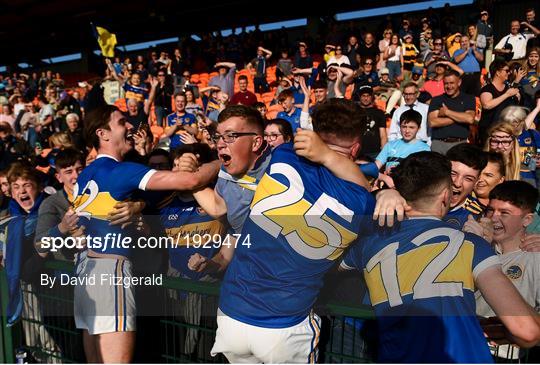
[[514, 272]]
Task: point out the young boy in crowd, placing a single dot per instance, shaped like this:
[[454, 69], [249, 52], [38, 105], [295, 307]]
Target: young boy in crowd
[[395, 151], [511, 209]]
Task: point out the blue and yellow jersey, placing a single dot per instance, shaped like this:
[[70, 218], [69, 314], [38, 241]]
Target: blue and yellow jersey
[[302, 219], [100, 186], [529, 146], [135, 92], [421, 282], [192, 231], [459, 215], [173, 119]]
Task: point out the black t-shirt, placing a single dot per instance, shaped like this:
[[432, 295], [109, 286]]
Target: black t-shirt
[[489, 116], [371, 140], [371, 52], [136, 120], [460, 103]]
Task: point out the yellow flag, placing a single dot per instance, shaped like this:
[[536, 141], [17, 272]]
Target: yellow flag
[[106, 41]]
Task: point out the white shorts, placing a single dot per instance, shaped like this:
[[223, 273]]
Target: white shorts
[[101, 305], [244, 343]]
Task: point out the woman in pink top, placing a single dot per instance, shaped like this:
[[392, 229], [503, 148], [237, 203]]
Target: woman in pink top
[[7, 115]]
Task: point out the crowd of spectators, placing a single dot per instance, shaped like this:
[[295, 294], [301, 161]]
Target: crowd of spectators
[[421, 83]]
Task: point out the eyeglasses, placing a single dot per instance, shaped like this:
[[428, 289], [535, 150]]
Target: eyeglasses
[[368, 63], [437, 44], [272, 136], [161, 74], [502, 142], [231, 137]]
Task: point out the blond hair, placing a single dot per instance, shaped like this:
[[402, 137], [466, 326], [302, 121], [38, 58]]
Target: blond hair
[[61, 139], [512, 161]]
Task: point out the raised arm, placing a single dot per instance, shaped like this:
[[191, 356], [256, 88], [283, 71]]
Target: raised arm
[[168, 180], [229, 65], [453, 66], [268, 53], [535, 30], [111, 68], [305, 118], [148, 103], [308, 144], [529, 120], [212, 203]]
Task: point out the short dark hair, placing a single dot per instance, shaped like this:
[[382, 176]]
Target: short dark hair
[[468, 155], [284, 127], [259, 104], [160, 152], [411, 115], [498, 159], [340, 117], [68, 157], [518, 193], [249, 114], [96, 119], [242, 77], [319, 84], [206, 154], [449, 73], [496, 65], [180, 93], [410, 176]]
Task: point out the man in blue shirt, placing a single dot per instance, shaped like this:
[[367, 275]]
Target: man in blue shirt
[[180, 122], [469, 57], [421, 278]]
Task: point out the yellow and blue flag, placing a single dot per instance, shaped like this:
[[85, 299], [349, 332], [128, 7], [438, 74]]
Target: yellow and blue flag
[[106, 40]]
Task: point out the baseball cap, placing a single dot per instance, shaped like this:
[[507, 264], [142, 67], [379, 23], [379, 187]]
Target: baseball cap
[[408, 35], [302, 44], [366, 89], [384, 71], [440, 64], [484, 12]]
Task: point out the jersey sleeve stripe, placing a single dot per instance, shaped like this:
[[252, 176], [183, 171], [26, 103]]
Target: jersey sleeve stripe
[[481, 266], [145, 179]]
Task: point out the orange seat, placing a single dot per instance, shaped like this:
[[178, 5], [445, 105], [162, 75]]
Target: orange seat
[[121, 104], [157, 131]]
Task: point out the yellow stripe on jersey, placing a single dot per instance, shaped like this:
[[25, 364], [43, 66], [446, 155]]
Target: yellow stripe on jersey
[[411, 264], [291, 217], [99, 207], [473, 206]]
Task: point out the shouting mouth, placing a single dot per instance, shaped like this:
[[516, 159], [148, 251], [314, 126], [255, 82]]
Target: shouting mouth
[[225, 159]]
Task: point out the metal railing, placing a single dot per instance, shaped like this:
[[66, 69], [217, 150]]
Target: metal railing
[[182, 331], [181, 328]]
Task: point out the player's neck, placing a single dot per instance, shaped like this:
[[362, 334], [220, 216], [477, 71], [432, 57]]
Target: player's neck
[[510, 244], [432, 212], [110, 151]]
